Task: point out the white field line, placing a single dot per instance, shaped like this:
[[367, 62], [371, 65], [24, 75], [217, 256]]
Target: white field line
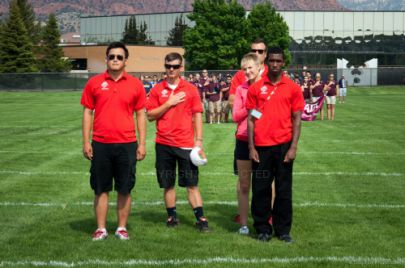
[[208, 173], [78, 152], [224, 203], [354, 260]]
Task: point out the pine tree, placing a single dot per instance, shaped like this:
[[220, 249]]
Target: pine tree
[[176, 34], [28, 16], [16, 54], [266, 23], [130, 35], [134, 36], [51, 54]]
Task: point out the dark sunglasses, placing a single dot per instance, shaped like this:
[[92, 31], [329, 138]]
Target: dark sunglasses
[[118, 57], [175, 66], [261, 51]]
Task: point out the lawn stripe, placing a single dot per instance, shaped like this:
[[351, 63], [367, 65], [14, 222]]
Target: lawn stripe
[[209, 173], [185, 202], [215, 260], [78, 152]]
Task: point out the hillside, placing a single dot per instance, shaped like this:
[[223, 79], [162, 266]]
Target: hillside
[[68, 12]]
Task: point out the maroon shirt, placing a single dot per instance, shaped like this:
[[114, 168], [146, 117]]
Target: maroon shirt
[[318, 90], [306, 92], [332, 89], [225, 94], [213, 87], [202, 88]]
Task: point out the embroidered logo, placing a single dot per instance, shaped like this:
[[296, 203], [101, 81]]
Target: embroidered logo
[[263, 90], [164, 93], [104, 86]]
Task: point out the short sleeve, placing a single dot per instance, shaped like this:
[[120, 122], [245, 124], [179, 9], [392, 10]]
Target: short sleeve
[[297, 100], [237, 80], [153, 99], [140, 100], [251, 100], [87, 96], [196, 105]]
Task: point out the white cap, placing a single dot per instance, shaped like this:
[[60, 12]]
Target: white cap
[[196, 157]]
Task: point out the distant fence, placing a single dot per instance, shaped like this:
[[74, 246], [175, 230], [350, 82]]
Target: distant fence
[[77, 81]]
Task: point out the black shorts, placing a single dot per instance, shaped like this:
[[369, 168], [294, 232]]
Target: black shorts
[[166, 159], [241, 150], [113, 160]]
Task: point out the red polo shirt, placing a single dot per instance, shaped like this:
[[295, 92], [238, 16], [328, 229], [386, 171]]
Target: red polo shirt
[[175, 126], [114, 104], [240, 78], [275, 125]]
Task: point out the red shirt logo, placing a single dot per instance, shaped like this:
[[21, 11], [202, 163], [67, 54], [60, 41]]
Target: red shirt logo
[[104, 86], [164, 93]]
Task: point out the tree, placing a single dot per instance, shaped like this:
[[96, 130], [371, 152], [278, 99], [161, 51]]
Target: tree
[[134, 36], [266, 23], [218, 39], [176, 34], [143, 38], [130, 35], [51, 54], [16, 54], [28, 17]]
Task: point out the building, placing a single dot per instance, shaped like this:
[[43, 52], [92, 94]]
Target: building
[[318, 37]]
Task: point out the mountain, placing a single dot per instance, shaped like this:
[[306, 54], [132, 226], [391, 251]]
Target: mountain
[[376, 5], [68, 12]]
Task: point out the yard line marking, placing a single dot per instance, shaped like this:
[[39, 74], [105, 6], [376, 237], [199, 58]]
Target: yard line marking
[[214, 260], [324, 152], [209, 173], [219, 202], [78, 152]]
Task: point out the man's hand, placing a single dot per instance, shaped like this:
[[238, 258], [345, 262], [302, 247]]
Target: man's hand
[[140, 152], [254, 155], [290, 155], [88, 150], [176, 98]]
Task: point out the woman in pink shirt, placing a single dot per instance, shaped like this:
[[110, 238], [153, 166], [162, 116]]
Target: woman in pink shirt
[[251, 66]]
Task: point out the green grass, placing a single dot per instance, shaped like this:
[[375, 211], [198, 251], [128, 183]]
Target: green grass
[[348, 192]]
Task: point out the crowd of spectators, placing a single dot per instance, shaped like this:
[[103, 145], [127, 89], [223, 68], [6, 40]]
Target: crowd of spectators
[[214, 90]]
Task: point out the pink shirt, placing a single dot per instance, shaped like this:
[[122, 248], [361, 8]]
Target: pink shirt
[[239, 111]]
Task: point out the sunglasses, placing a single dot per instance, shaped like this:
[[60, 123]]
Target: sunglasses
[[260, 51], [118, 57], [174, 66]]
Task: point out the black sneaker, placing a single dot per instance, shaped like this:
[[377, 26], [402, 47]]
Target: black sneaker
[[202, 225], [286, 238], [264, 237], [172, 222]]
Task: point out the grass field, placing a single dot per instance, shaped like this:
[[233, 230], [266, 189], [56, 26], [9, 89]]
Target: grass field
[[349, 201]]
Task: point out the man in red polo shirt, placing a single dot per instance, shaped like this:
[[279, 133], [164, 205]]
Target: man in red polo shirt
[[274, 126], [175, 105], [110, 100], [259, 47]]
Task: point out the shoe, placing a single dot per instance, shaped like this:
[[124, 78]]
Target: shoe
[[286, 238], [237, 219], [122, 234], [202, 225], [100, 234], [264, 237], [244, 230], [172, 222]]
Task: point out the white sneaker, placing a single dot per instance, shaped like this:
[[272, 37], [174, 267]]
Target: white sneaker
[[100, 234], [244, 230], [121, 233]]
